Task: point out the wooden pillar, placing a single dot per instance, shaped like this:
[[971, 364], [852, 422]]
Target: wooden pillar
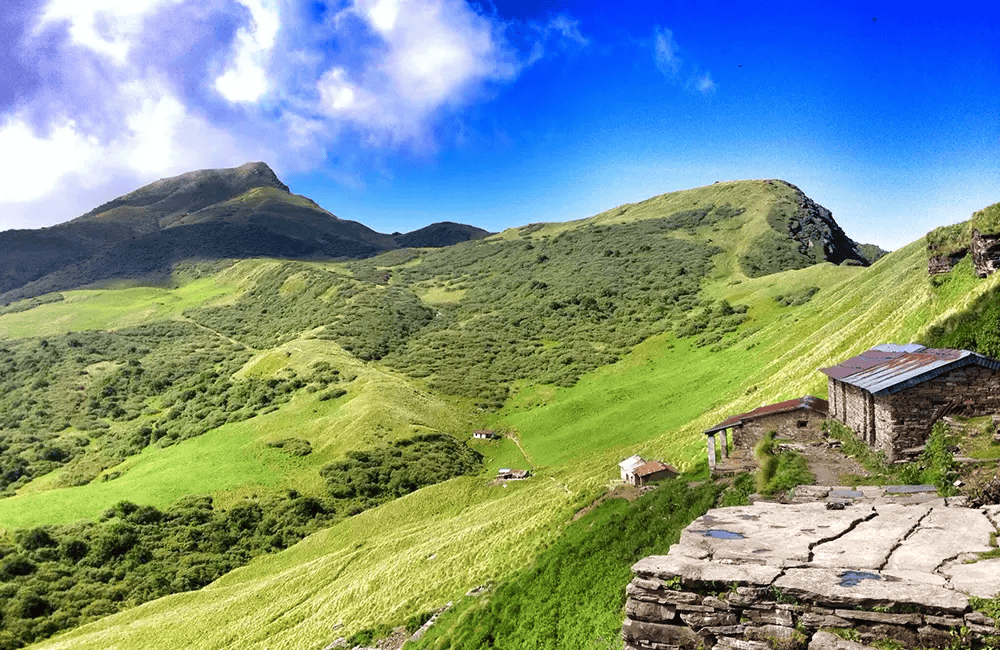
[[710, 438], [725, 444]]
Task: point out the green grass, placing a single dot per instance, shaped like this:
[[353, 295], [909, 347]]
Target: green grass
[[572, 596], [408, 556], [233, 461], [500, 453], [111, 308], [657, 390], [413, 555]]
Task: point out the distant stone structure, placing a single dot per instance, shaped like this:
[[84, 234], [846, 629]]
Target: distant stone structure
[[791, 419], [628, 467], [485, 434], [653, 472], [637, 471], [985, 253], [892, 394], [508, 474]]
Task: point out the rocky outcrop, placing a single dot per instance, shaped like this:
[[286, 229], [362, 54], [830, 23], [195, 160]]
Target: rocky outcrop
[[774, 575], [985, 253], [813, 225]]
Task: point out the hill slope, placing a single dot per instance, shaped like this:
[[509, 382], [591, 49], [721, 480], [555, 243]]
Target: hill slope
[[585, 342], [322, 582], [209, 214]]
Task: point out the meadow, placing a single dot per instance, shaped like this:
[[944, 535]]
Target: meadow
[[637, 354]]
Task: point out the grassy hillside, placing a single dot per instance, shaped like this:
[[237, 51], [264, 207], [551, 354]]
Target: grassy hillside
[[894, 300], [583, 343]]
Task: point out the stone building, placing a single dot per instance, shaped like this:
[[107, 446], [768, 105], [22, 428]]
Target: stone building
[[628, 467], [892, 394], [792, 419], [653, 472]]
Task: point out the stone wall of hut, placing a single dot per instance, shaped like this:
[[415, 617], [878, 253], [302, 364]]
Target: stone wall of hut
[[793, 425], [903, 420], [909, 414]]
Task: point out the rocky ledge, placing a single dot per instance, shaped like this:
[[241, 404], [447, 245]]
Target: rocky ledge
[[781, 575]]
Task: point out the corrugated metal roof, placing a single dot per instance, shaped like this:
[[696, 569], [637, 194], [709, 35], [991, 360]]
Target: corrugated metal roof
[[864, 361], [631, 463], [896, 347], [883, 372], [807, 402]]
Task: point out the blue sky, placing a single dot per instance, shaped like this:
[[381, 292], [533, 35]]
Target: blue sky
[[399, 113]]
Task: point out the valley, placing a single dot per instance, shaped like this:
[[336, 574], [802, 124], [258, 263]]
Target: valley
[[246, 380]]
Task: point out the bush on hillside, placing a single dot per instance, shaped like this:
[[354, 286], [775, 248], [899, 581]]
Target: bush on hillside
[[58, 577]]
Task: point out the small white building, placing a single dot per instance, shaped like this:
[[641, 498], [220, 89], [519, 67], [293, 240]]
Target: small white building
[[628, 467]]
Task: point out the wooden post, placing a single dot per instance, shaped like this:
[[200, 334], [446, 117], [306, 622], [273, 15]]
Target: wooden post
[[725, 444], [711, 452]]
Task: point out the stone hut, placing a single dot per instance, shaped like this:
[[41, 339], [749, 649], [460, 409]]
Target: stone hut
[[485, 434], [985, 253], [892, 395], [794, 418], [628, 467], [653, 472]]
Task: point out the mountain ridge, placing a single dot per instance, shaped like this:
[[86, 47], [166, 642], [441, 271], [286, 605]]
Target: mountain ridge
[[238, 212]]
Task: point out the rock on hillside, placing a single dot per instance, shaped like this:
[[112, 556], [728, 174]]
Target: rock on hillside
[[244, 211], [802, 232]]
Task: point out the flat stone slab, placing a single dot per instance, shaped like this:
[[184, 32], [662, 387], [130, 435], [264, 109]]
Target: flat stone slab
[[942, 535], [909, 489], [690, 570], [868, 589], [766, 533], [826, 641], [981, 578], [868, 545], [870, 554]]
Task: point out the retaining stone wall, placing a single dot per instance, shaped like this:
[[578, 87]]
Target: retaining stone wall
[[772, 576]]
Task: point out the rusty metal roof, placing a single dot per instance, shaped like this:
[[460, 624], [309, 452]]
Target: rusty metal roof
[[883, 372], [807, 402], [653, 467]]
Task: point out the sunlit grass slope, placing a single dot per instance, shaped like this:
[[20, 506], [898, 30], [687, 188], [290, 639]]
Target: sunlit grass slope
[[408, 556], [234, 460], [111, 308], [734, 235], [377, 567], [661, 397]]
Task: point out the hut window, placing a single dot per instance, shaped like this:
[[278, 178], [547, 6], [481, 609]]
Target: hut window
[[802, 424]]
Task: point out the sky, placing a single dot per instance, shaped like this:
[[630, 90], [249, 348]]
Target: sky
[[401, 113]]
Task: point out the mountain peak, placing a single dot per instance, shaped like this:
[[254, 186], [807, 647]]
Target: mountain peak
[[160, 203]]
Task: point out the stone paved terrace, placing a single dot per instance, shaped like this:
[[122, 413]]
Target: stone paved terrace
[[890, 563]]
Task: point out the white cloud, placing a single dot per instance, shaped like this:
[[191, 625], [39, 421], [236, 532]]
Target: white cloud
[[703, 83], [560, 33], [668, 60], [42, 159], [246, 80], [107, 27], [665, 51], [429, 55], [568, 29], [135, 90]]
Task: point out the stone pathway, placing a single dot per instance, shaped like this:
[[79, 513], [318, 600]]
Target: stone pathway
[[873, 494]]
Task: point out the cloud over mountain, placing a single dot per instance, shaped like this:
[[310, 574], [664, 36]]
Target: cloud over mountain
[[113, 93]]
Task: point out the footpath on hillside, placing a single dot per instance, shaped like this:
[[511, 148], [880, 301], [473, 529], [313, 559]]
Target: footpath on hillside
[[822, 454]]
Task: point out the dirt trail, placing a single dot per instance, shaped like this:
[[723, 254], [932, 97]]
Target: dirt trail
[[828, 465]]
